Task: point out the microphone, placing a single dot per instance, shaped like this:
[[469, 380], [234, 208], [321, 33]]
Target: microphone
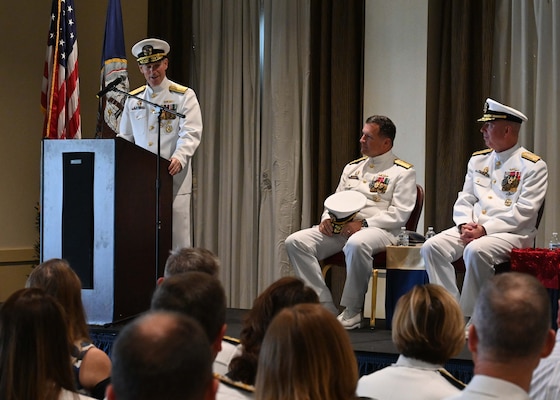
[[110, 87]]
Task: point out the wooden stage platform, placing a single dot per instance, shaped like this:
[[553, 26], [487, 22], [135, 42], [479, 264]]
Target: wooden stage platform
[[374, 347]]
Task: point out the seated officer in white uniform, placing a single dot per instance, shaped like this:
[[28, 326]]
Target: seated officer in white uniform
[[180, 137], [389, 185], [495, 212]]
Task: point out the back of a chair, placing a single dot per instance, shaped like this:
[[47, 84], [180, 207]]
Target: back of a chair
[[412, 222], [539, 214], [539, 217]]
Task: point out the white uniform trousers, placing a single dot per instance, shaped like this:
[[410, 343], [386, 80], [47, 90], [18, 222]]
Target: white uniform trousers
[[182, 221], [306, 247], [479, 256]]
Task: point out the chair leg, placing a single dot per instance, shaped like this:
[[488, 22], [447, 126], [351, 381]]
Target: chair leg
[[374, 274], [334, 276], [325, 270]]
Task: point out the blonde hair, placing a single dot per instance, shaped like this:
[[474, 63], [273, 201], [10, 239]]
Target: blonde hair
[[428, 324], [306, 354]]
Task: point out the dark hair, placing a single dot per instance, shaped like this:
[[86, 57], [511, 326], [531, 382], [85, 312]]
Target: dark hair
[[386, 127], [34, 347], [197, 295], [162, 356], [285, 292]]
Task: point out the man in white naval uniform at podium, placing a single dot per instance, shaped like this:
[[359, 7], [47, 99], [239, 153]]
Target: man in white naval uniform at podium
[[180, 137]]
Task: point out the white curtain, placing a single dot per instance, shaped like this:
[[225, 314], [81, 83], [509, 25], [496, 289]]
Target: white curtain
[[248, 167], [526, 75], [285, 164]]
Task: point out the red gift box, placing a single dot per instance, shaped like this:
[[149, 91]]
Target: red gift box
[[541, 263]]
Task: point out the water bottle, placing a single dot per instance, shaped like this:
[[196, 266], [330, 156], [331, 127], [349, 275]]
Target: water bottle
[[430, 232], [402, 239], [554, 243]]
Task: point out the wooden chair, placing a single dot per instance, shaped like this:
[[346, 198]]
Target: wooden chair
[[380, 259]]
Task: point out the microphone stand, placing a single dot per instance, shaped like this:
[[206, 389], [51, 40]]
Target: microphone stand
[[160, 109]]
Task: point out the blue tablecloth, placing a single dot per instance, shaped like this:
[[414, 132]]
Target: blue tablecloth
[[400, 281]]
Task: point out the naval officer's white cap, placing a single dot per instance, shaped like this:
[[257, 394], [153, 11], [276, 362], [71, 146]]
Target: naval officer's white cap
[[346, 203], [150, 50], [497, 111]]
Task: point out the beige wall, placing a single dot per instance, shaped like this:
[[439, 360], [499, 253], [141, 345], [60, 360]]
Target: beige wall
[[395, 74], [25, 29]]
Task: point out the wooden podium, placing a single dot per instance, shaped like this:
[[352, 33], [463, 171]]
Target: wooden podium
[[98, 211]]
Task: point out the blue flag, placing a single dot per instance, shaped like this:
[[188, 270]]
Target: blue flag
[[113, 66]]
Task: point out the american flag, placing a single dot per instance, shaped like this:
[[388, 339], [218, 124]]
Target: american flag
[[60, 94], [113, 66]]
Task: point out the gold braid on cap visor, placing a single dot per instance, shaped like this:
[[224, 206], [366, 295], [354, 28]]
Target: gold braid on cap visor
[[494, 116], [150, 58], [508, 117]]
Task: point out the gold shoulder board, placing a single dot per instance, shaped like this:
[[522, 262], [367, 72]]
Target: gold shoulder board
[[235, 384], [178, 88], [481, 152], [403, 164], [451, 379], [530, 156], [138, 90], [358, 160], [231, 340]]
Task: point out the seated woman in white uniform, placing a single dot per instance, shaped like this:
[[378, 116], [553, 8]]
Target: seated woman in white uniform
[[428, 329]]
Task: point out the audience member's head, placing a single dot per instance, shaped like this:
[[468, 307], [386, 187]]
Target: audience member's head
[[512, 317], [191, 259], [197, 295], [34, 347], [306, 354], [58, 279], [510, 329], [428, 324], [285, 292], [162, 356], [92, 366]]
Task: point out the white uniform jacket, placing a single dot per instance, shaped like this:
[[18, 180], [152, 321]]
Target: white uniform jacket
[[389, 185], [486, 387], [180, 137], [231, 390], [545, 383], [408, 379], [503, 192]]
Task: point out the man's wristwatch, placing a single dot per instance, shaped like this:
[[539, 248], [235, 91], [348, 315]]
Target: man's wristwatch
[[364, 223]]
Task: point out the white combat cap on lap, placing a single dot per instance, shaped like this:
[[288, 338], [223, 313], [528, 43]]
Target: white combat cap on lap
[[343, 206]]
